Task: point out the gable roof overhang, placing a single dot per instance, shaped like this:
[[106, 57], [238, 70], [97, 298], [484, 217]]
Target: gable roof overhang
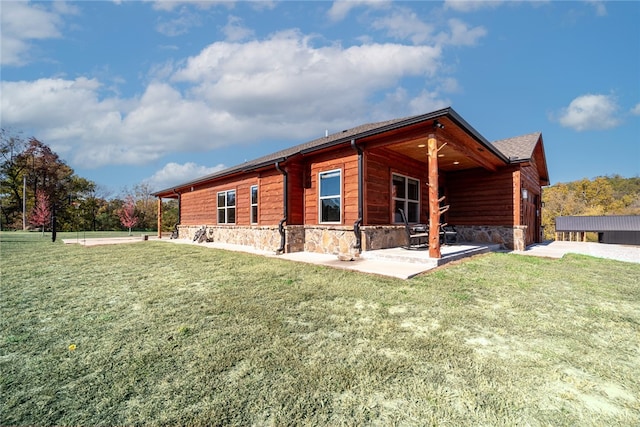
[[462, 147], [525, 149]]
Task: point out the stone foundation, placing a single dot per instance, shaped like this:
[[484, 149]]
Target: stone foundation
[[262, 238], [383, 237], [295, 236], [340, 240], [508, 237]]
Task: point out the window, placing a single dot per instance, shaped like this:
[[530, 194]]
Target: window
[[254, 204], [330, 196], [406, 196], [227, 207]]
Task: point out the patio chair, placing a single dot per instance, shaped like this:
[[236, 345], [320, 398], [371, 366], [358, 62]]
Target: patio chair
[[417, 234], [448, 234]]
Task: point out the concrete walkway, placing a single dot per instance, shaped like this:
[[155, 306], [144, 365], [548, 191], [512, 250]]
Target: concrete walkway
[[555, 249]]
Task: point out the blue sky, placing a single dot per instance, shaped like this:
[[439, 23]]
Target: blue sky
[[161, 92]]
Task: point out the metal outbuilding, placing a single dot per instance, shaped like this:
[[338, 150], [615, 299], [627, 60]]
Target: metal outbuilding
[[617, 229]]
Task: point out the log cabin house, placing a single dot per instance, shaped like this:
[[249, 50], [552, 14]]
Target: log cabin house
[[342, 193]]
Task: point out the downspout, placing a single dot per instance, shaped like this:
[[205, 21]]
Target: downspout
[[281, 229], [358, 223]]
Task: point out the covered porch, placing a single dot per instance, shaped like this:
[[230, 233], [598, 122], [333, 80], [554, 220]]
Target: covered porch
[[439, 171]]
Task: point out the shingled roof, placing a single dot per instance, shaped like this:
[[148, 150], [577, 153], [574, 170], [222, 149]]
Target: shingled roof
[[318, 143], [518, 148], [522, 146]]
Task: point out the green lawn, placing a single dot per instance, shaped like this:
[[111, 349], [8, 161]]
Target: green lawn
[[160, 334]]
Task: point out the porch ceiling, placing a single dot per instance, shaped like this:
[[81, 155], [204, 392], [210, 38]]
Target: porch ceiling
[[458, 150]]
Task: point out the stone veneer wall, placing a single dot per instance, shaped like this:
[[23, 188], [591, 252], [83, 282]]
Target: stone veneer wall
[[262, 238], [508, 237], [383, 237], [340, 240]]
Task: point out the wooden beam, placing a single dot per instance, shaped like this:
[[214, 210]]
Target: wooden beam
[[434, 208]]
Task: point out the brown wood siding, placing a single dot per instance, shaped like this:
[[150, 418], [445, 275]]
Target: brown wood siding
[[480, 197], [530, 210], [345, 160], [377, 180], [199, 207], [296, 171], [270, 198], [379, 165]]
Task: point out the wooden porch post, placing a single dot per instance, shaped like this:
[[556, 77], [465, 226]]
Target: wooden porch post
[[434, 206], [159, 217]]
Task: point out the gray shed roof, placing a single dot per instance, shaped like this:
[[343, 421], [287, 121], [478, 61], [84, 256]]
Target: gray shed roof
[[598, 223]]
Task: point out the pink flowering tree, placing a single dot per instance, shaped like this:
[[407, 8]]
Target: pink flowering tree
[[127, 214], [41, 213]]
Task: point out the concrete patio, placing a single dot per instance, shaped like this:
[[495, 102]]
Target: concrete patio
[[394, 262]]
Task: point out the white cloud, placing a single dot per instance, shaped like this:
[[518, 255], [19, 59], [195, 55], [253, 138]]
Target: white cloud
[[288, 78], [341, 8], [22, 23], [471, 5], [590, 112], [234, 30], [636, 110], [217, 98], [599, 6], [183, 15], [450, 85], [427, 101], [179, 25], [405, 24], [461, 34], [175, 173], [264, 4], [170, 5]]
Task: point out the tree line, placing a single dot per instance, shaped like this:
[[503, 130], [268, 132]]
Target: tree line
[[36, 184], [603, 195]]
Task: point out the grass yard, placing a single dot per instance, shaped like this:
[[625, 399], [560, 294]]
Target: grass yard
[[160, 334]]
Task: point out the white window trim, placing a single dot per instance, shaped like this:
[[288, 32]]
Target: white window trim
[[320, 198], [225, 207], [251, 204], [406, 200]]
